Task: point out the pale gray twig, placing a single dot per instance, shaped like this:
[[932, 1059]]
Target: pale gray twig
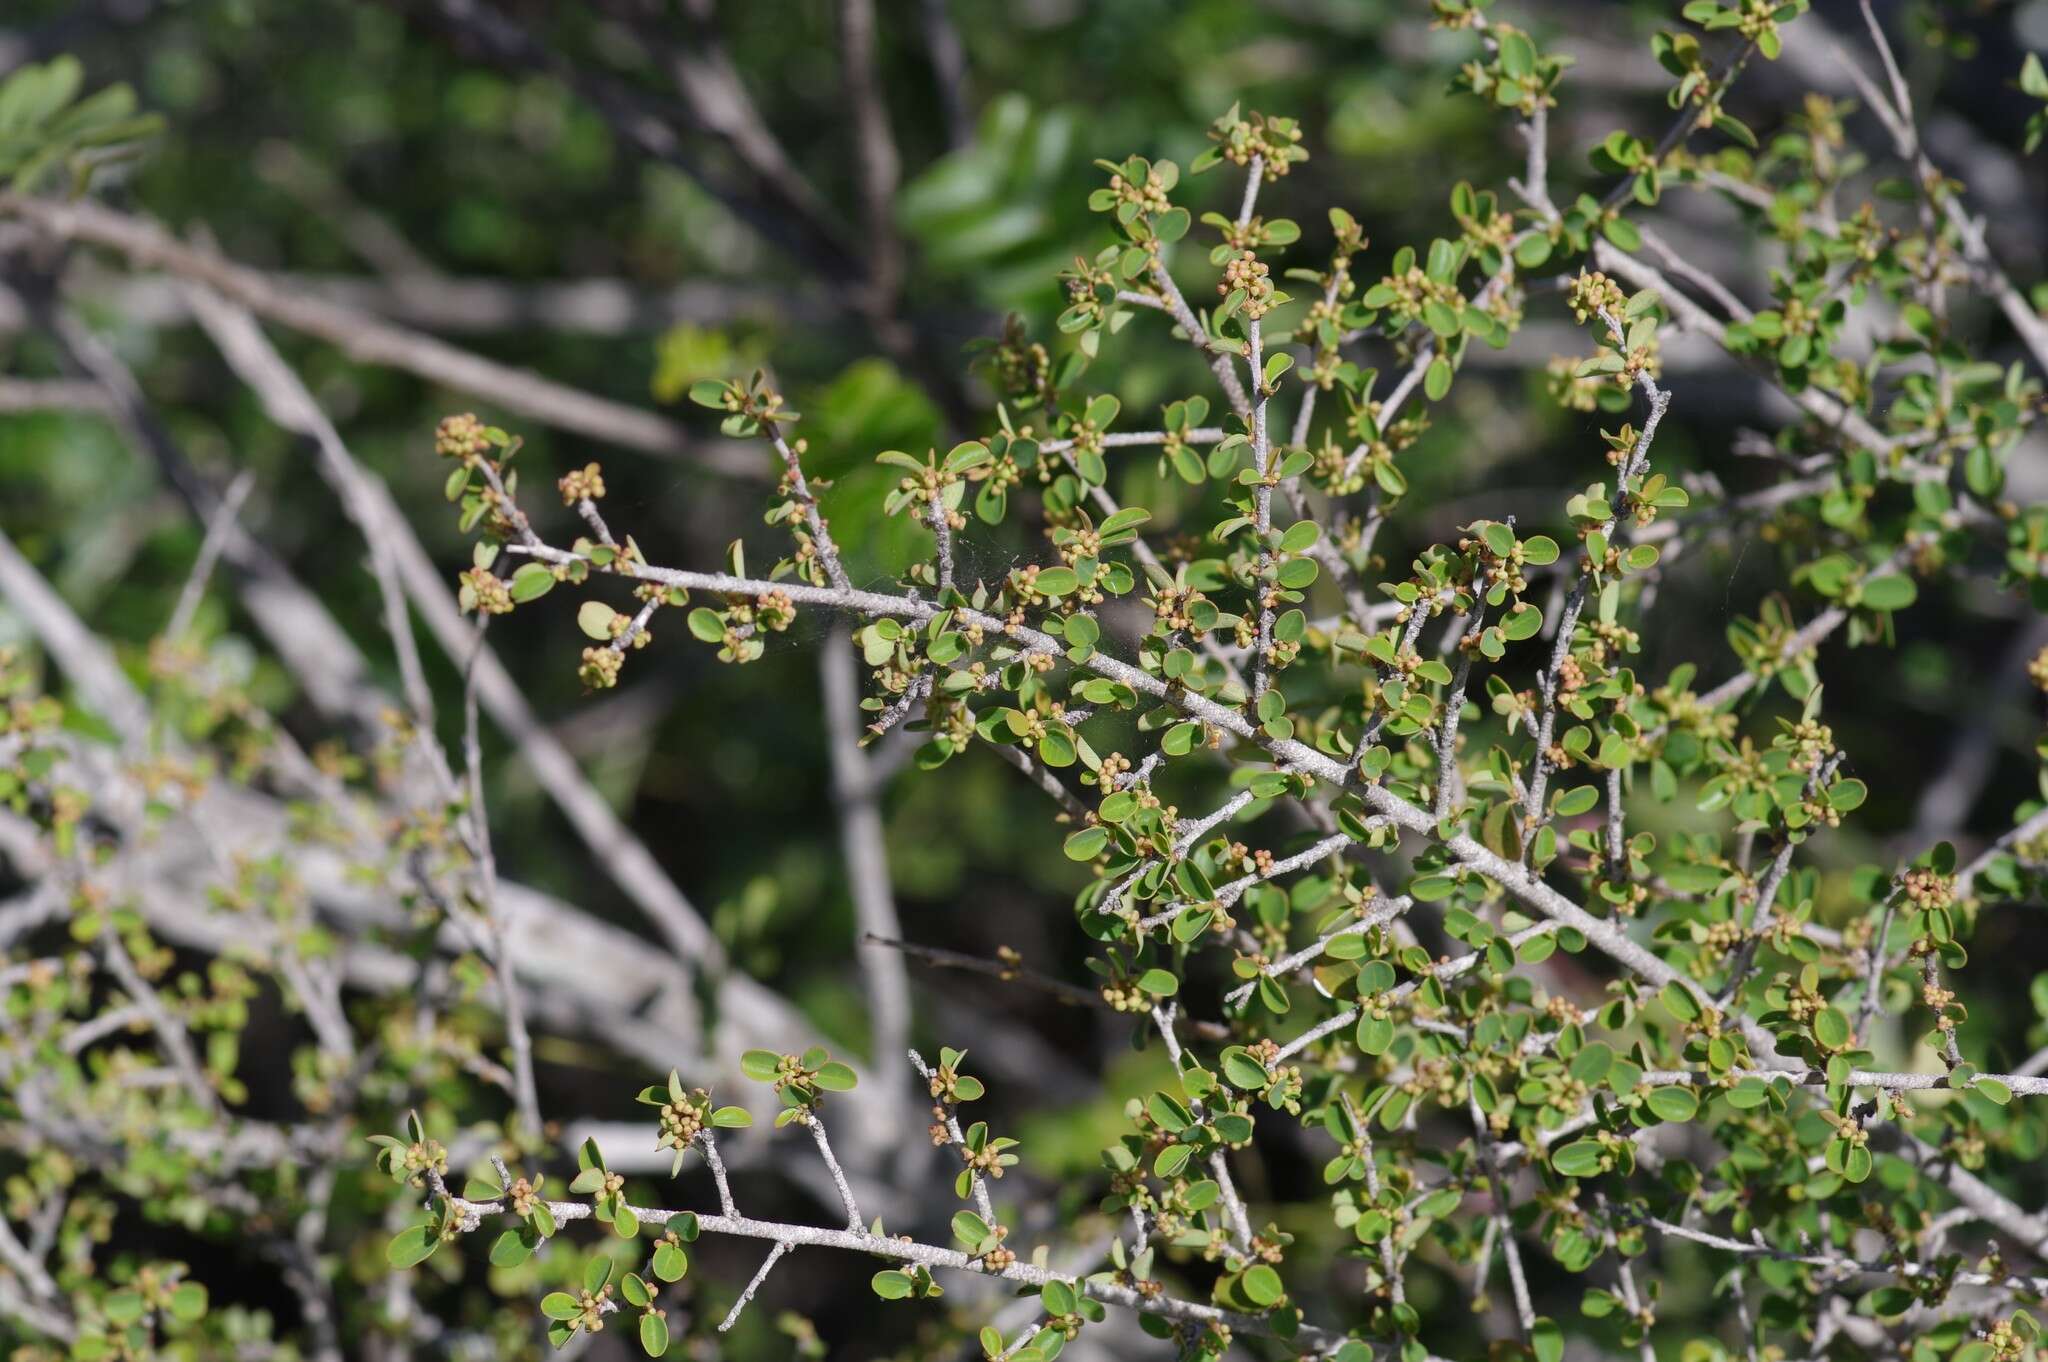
[[210, 549], [856, 803], [732, 1316]]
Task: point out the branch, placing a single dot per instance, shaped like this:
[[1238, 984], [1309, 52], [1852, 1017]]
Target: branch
[[384, 526], [84, 658], [881, 166], [732, 1316], [1897, 115], [218, 527], [978, 1184], [511, 1005], [1219, 1167], [1386, 912], [817, 1128], [366, 339], [1010, 969], [170, 1032], [1637, 461], [1609, 937], [774, 198], [1042, 776], [51, 394], [471, 1213], [949, 70], [854, 797]]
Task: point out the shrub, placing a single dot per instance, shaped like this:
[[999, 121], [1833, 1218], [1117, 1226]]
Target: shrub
[[1442, 876]]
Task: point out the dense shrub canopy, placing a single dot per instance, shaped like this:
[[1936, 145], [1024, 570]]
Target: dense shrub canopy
[[1425, 737]]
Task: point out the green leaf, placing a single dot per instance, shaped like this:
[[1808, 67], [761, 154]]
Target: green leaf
[[2033, 78], [1057, 581], [596, 1273], [1748, 1094], [510, 1249], [653, 1334], [188, 1302], [1673, 1103], [1158, 982], [1592, 1062], [1571, 803], [559, 1305], [1430, 888], [1436, 379], [1517, 55], [1087, 844], [412, 1246], [595, 618], [965, 455], [1297, 573], [1263, 1285], [1579, 1159], [1893, 592], [704, 625], [1059, 1298], [31, 95], [760, 1065], [1546, 1340], [1125, 520], [836, 1077], [1831, 1028], [531, 582], [634, 1289], [670, 1262], [732, 1118], [1243, 1071], [1522, 622], [1679, 1002]]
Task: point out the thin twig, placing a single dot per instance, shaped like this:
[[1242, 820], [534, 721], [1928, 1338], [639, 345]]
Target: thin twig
[[218, 527], [817, 1129], [732, 1316]]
